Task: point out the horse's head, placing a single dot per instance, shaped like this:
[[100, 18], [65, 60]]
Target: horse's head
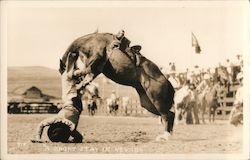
[[73, 64], [90, 48]]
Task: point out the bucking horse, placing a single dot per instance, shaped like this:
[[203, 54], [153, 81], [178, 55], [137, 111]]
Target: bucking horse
[[97, 55]]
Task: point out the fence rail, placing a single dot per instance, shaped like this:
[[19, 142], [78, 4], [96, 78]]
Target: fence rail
[[29, 108], [227, 99]]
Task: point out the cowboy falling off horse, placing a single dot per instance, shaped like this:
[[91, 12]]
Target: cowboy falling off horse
[[96, 53]]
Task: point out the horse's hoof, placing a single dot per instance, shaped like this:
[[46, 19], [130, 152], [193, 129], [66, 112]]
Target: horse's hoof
[[163, 137]]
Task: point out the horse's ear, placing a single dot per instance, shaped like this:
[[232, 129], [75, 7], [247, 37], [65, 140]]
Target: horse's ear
[[62, 67]]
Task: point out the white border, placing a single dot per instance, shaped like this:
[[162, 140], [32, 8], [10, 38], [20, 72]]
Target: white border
[[6, 4]]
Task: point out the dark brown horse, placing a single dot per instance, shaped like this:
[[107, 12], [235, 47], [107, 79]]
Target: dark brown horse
[[98, 56]]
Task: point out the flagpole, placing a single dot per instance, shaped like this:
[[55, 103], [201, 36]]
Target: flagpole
[[197, 50]]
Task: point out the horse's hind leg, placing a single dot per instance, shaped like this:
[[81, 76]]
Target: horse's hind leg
[[169, 119]]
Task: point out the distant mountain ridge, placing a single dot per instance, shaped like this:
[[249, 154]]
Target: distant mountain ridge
[[21, 78]]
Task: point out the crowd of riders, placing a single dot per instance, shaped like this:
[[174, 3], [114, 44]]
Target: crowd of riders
[[227, 74]]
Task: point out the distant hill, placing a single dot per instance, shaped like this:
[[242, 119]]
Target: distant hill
[[49, 81], [22, 78]]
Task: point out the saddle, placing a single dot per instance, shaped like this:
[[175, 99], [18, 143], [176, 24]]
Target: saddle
[[132, 52], [135, 49]]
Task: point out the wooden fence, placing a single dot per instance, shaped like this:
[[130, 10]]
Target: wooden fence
[[32, 107], [227, 99]]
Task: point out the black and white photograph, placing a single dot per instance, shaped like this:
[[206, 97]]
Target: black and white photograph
[[124, 80]]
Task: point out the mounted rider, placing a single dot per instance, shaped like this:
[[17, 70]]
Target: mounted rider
[[123, 43], [174, 79]]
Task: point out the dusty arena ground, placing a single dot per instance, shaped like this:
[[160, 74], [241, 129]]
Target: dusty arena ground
[[106, 134]]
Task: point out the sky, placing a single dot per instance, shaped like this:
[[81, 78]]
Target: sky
[[38, 36]]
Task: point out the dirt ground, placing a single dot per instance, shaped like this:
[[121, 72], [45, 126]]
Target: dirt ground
[[106, 134]]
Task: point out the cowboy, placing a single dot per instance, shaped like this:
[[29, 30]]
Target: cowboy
[[204, 84], [63, 126], [174, 80], [236, 114], [192, 106], [123, 43]]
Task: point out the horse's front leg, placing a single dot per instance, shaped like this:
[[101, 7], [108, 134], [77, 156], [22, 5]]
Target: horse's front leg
[[203, 112], [210, 114]]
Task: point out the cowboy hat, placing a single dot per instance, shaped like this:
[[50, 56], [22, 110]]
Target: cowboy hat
[[59, 132]]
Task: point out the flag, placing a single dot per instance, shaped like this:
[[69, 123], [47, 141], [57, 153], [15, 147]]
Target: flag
[[195, 44]]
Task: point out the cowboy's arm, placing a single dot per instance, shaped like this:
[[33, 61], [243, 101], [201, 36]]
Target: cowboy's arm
[[43, 124], [93, 69], [87, 79]]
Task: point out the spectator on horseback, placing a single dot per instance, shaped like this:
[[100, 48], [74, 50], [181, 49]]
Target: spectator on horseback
[[112, 103], [190, 103], [236, 114], [113, 97], [204, 84], [174, 80], [91, 96], [123, 43]]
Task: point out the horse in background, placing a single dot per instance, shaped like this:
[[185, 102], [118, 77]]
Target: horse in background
[[207, 99], [125, 104], [112, 106], [92, 97], [211, 102]]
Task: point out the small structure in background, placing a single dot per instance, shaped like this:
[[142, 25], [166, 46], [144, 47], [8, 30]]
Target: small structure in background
[[35, 93], [32, 100]]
